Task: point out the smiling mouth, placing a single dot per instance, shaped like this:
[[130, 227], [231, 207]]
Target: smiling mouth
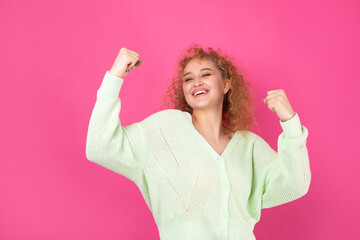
[[200, 94]]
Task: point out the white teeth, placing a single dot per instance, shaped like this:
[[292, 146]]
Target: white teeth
[[199, 92]]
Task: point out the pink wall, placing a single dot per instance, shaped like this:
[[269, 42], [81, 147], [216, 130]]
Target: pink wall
[[55, 54]]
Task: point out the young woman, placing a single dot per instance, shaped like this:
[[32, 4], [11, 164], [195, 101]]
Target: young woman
[[202, 172]]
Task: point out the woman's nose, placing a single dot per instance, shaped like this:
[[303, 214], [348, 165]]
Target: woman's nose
[[198, 81]]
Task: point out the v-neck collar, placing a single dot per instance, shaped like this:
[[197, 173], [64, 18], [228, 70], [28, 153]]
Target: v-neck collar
[[228, 147]]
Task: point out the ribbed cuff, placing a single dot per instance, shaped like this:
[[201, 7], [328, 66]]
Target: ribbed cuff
[[292, 127], [111, 84]]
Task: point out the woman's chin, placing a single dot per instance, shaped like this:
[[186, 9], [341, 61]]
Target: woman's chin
[[200, 106]]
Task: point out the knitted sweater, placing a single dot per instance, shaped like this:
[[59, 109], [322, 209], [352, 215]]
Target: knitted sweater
[[191, 190]]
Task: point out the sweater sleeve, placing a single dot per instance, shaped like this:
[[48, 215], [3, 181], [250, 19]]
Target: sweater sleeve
[[287, 173], [121, 149]]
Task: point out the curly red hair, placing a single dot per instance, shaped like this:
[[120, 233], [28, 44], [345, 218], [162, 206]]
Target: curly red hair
[[238, 105]]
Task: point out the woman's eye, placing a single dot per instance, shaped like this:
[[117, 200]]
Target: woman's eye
[[208, 74]]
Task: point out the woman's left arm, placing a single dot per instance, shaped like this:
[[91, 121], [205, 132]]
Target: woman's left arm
[[288, 175]]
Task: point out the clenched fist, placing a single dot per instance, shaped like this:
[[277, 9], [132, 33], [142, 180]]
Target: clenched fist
[[278, 102], [125, 62]]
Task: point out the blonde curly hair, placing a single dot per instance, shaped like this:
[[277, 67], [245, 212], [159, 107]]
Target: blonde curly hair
[[238, 105]]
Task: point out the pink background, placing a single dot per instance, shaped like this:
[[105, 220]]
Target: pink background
[[53, 57]]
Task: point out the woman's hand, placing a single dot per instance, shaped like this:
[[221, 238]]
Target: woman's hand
[[279, 103], [125, 62]]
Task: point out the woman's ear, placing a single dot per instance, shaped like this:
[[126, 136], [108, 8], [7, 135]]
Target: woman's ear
[[226, 86]]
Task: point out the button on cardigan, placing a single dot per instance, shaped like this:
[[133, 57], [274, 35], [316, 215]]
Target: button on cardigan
[[191, 190]]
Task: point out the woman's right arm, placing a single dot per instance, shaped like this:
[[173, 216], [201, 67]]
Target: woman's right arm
[[121, 149]]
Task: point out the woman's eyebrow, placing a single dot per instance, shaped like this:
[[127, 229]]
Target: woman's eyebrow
[[200, 70]]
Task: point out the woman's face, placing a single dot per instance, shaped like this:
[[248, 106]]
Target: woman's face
[[201, 74]]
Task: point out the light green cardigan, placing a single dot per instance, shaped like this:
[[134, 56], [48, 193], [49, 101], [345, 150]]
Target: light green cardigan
[[192, 191]]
